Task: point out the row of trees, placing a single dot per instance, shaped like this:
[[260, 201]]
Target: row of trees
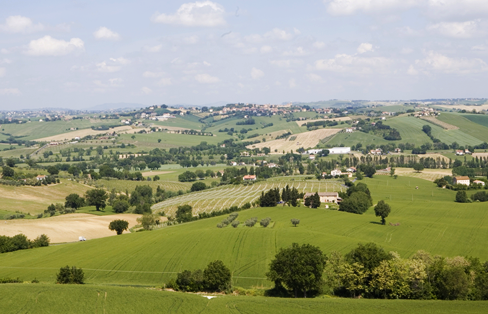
[[216, 277], [21, 242]]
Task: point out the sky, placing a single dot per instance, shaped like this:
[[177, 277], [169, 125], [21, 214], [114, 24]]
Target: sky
[[82, 53]]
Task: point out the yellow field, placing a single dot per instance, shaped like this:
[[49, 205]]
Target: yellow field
[[305, 140], [467, 108], [440, 123], [35, 199], [66, 228], [300, 123], [426, 174], [480, 155], [85, 132]]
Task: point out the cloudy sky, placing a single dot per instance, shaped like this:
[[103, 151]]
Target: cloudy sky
[[82, 53]]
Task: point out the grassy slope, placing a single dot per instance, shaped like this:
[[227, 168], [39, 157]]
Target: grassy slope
[[348, 139], [478, 118], [18, 298], [189, 122], [168, 140], [36, 129], [429, 219], [277, 125], [476, 130], [410, 129]]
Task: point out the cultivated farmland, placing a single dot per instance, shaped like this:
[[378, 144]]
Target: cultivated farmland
[[440, 123], [220, 198], [86, 132], [305, 140], [301, 123]]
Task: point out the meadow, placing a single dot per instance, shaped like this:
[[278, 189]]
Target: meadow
[[465, 125], [279, 123], [186, 121], [40, 298], [169, 140], [428, 219], [348, 139]]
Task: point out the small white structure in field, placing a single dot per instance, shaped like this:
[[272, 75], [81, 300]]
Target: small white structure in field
[[81, 238]]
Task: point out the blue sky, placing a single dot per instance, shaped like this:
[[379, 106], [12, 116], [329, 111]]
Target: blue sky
[[78, 54]]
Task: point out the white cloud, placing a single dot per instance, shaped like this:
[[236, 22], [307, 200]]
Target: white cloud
[[314, 78], [154, 48], [104, 67], [412, 71], [348, 7], [9, 91], [165, 81], [466, 29], [146, 90], [436, 62], [205, 13], [115, 82], [2, 72], [286, 63], [457, 9], [343, 63], [20, 24], [190, 40], [280, 34], [318, 44], [365, 47], [298, 51], [256, 73], [105, 33], [266, 49], [48, 46], [120, 60], [206, 79], [4, 51], [292, 83]]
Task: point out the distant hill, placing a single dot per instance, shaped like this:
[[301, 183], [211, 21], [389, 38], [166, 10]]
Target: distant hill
[[114, 106]]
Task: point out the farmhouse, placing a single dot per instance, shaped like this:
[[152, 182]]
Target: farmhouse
[[398, 150], [339, 150], [335, 172], [461, 180], [326, 197], [460, 152], [41, 177], [479, 182], [351, 169], [249, 177], [313, 151], [311, 157]]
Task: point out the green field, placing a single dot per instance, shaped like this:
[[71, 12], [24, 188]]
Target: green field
[[466, 125], [40, 298], [348, 139], [279, 123], [169, 140], [480, 119], [410, 129], [35, 129], [186, 121], [429, 220]]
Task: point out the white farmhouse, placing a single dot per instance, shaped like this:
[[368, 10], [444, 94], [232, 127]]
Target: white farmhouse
[[462, 180], [339, 150]]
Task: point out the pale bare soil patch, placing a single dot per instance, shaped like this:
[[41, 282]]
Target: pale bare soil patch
[[435, 156], [480, 155], [153, 173], [440, 123], [300, 123], [467, 108], [426, 174], [305, 140], [66, 228], [85, 132]]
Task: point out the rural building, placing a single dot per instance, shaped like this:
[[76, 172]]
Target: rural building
[[460, 152], [339, 150], [479, 182], [249, 177], [326, 197], [398, 150], [349, 130], [313, 151], [41, 177], [466, 151], [271, 165], [351, 169], [233, 163], [377, 151], [335, 172], [311, 157], [462, 180]]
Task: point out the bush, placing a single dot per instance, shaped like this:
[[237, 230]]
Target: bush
[[462, 197], [71, 275], [190, 281], [295, 221], [235, 223], [120, 206], [118, 225], [251, 222], [10, 280], [184, 213], [217, 277], [265, 222], [198, 186], [40, 241], [357, 203]]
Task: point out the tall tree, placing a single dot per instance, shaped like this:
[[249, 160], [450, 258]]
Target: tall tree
[[97, 198], [382, 210]]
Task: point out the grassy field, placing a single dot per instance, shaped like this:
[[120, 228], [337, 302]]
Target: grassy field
[[428, 216], [465, 125], [279, 123], [36, 129], [40, 298], [480, 119], [19, 150], [348, 139], [187, 121], [169, 140], [217, 199], [35, 199]]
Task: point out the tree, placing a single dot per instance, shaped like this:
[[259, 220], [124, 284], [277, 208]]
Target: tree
[[97, 198], [147, 221], [357, 203], [71, 275], [369, 255], [217, 277], [40, 241], [368, 170], [418, 167], [187, 176], [120, 206], [298, 268], [392, 172], [118, 225], [74, 201], [462, 197], [7, 172], [184, 213], [313, 201], [52, 170], [382, 210], [198, 186], [295, 221], [10, 162]]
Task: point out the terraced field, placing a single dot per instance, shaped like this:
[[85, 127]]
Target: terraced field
[[220, 198], [467, 126]]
